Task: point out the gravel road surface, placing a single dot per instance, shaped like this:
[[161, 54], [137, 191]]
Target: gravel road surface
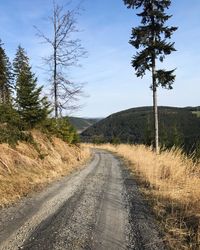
[[98, 207]]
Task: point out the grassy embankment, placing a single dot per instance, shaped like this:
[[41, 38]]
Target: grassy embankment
[[171, 183], [27, 167]]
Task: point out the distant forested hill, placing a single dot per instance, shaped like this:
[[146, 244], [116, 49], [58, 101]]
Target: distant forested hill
[[82, 123], [178, 126]]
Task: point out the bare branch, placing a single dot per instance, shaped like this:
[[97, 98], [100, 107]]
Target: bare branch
[[66, 52], [41, 35]]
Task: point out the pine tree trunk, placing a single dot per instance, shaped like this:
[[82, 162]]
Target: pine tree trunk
[[155, 105], [155, 111]]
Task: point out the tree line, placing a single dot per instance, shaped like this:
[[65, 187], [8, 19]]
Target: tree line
[[22, 103], [135, 126]]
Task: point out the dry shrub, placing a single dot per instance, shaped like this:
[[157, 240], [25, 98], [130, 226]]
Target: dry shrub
[[29, 167], [171, 181]]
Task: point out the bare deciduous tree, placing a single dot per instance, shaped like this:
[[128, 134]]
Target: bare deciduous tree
[[66, 52]]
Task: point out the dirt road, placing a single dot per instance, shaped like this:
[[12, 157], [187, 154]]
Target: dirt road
[[98, 207]]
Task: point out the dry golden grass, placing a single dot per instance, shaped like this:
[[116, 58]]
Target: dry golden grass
[[171, 182], [24, 169]]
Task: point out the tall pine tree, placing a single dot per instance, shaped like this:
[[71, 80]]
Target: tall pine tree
[[151, 38], [6, 78], [31, 107]]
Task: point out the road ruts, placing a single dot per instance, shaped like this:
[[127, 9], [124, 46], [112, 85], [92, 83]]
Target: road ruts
[[98, 207]]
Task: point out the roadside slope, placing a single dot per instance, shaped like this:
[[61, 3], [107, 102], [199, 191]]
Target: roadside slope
[[29, 167]]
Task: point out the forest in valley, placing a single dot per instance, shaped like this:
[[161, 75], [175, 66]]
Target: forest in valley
[[179, 127]]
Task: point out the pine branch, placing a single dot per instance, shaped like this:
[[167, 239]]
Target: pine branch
[[165, 78]]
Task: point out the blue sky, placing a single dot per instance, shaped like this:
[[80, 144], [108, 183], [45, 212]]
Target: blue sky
[[111, 84]]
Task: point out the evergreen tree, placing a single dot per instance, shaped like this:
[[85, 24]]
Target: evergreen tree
[[151, 37], [177, 136], [31, 107], [6, 78], [148, 135]]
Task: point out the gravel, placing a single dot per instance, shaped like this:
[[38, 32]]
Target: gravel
[[98, 207]]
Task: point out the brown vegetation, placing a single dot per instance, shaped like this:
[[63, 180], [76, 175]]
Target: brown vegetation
[[29, 167], [171, 182]]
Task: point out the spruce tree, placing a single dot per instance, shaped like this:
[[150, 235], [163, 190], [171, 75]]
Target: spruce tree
[[151, 38], [6, 78], [31, 107]]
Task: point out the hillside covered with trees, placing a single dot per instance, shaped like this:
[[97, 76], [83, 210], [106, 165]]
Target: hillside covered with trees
[[178, 126], [82, 123]]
